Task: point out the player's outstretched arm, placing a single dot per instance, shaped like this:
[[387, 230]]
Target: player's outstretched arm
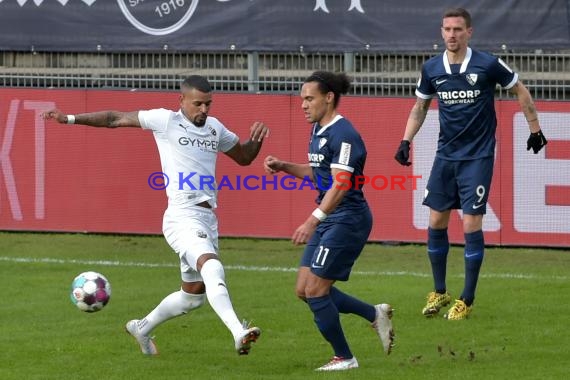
[[108, 119], [273, 165]]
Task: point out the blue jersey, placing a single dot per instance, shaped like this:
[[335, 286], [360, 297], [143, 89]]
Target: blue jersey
[[466, 100], [338, 145]]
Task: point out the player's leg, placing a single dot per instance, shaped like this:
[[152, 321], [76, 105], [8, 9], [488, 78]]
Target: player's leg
[[353, 232], [194, 234], [218, 296], [302, 275], [189, 297], [314, 290], [473, 255], [355, 229], [441, 196], [438, 247], [474, 185], [327, 320], [473, 259], [213, 274], [339, 246]]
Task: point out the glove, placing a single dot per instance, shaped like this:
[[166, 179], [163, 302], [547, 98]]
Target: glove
[[403, 153], [536, 141]]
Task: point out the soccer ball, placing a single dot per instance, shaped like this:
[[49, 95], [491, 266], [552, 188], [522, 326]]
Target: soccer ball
[[90, 291]]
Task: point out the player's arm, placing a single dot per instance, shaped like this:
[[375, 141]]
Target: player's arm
[[415, 121], [108, 119], [329, 203], [334, 195], [416, 118], [245, 153], [536, 139], [527, 106], [274, 165]]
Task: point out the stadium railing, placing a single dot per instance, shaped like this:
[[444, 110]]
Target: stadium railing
[[546, 74]]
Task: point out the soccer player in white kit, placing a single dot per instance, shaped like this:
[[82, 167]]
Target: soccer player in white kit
[[188, 142]]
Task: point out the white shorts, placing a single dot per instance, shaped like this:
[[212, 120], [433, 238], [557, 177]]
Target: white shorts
[[191, 232]]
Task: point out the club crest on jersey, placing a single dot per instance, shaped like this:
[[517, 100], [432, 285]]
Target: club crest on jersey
[[471, 78], [322, 142], [212, 130]]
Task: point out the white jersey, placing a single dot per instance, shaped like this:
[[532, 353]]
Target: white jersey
[[188, 154]]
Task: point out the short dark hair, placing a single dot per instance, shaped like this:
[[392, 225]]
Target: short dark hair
[[458, 12], [337, 83], [198, 82]]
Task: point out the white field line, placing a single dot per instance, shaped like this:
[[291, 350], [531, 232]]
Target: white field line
[[31, 260]]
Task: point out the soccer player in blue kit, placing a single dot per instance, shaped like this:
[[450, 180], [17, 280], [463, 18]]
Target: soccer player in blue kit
[[338, 229], [464, 81]]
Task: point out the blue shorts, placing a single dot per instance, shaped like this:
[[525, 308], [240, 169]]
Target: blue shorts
[[336, 244], [460, 185]]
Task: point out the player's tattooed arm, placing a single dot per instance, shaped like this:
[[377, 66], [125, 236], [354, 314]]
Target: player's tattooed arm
[[416, 118], [527, 106], [110, 119]]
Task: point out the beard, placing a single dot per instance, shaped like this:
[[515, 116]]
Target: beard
[[200, 120]]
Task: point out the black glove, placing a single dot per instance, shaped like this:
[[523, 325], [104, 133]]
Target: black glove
[[403, 153], [536, 141]]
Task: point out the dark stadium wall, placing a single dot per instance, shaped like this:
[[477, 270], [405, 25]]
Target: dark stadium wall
[[291, 25], [58, 177]]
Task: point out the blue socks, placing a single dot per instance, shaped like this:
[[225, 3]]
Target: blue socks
[[474, 252], [328, 322], [347, 304], [438, 248]]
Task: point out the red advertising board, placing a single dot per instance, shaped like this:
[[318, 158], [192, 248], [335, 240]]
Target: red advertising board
[[75, 178]]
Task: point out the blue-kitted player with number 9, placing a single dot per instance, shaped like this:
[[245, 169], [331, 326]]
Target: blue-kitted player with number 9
[[464, 82]]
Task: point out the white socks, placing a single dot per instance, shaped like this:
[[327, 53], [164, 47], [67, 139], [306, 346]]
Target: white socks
[[173, 305], [180, 302], [214, 278]]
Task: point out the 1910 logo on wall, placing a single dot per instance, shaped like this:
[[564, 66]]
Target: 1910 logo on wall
[[159, 17]]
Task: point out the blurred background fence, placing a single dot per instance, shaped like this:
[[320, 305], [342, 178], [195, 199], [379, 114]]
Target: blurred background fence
[[546, 74]]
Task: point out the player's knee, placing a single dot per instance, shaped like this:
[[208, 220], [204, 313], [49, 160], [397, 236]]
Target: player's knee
[[439, 219], [212, 269], [472, 223], [191, 301], [203, 259]]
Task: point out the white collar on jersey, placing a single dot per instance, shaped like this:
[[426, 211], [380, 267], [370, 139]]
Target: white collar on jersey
[[184, 118], [463, 65], [324, 127]]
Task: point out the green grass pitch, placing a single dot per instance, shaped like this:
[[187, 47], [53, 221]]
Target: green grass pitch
[[519, 328]]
